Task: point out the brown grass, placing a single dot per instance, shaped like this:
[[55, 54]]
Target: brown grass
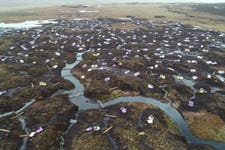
[[218, 68], [206, 125], [124, 26], [171, 12]]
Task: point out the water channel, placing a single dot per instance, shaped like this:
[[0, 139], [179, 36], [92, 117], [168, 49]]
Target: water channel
[[84, 103]]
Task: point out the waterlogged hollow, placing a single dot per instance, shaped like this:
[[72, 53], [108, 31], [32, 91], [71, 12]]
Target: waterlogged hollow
[[85, 103]]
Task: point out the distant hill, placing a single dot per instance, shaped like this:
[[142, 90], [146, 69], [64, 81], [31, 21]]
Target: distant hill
[[217, 9]]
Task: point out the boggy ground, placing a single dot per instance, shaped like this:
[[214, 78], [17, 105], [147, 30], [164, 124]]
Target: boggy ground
[[22, 71], [149, 59], [210, 16], [10, 140], [30, 69], [166, 61], [53, 115], [128, 130], [208, 108]]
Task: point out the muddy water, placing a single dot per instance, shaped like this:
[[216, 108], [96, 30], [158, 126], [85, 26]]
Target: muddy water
[[18, 111], [22, 121], [85, 103], [110, 138], [76, 94], [26, 24], [26, 130]]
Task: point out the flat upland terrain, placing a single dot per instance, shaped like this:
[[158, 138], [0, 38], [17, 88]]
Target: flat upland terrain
[[114, 76], [197, 14]]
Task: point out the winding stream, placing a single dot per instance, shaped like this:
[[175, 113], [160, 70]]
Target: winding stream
[[19, 110], [77, 97], [25, 139]]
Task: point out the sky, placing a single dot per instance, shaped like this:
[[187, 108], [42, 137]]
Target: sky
[[35, 3]]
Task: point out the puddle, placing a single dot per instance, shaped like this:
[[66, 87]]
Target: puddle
[[88, 11], [27, 24]]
